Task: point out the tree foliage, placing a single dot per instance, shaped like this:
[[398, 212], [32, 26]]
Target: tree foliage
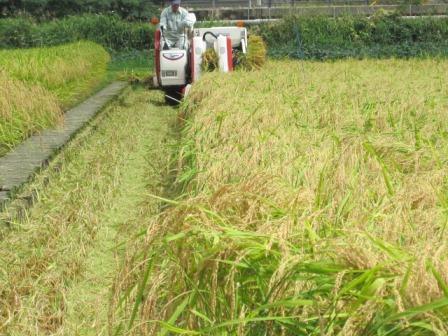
[[382, 35], [110, 31], [129, 9]]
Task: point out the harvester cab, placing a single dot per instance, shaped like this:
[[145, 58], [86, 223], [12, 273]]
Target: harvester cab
[[177, 68]]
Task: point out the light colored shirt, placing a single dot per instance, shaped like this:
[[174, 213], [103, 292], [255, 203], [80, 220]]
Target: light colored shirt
[[174, 24]]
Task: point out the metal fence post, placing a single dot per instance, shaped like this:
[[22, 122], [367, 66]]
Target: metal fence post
[[269, 8]]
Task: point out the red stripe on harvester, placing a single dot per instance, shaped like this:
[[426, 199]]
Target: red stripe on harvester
[[157, 38], [229, 53]]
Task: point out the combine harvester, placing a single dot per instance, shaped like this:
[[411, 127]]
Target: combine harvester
[[177, 68]]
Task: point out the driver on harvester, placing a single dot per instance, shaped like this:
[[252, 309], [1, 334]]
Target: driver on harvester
[[173, 22]]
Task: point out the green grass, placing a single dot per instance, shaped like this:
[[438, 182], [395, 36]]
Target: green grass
[[313, 203], [38, 84], [135, 65]]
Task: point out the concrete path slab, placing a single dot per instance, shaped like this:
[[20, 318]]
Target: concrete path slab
[[19, 165]]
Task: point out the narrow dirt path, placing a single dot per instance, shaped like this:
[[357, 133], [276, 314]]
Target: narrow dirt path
[[58, 262]]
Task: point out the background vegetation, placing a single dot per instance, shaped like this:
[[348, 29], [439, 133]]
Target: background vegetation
[[110, 31], [38, 83], [383, 35], [129, 9]]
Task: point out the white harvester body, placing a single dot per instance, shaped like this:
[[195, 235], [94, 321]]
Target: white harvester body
[[172, 67], [178, 67], [238, 35]]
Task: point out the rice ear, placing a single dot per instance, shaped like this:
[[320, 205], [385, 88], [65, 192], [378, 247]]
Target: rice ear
[[210, 60]]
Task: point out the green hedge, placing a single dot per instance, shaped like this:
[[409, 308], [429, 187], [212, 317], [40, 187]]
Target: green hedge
[[379, 36], [129, 9], [298, 37], [111, 32]]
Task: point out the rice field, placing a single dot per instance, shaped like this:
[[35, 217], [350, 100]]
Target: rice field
[[38, 84], [314, 201]]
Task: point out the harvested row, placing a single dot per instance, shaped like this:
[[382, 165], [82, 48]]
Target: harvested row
[[37, 84], [59, 258], [319, 210]]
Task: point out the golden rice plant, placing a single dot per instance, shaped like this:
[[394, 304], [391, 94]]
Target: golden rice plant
[[24, 110], [38, 83], [314, 202], [69, 71]]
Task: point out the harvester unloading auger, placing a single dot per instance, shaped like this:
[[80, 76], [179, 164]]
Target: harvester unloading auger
[[177, 68]]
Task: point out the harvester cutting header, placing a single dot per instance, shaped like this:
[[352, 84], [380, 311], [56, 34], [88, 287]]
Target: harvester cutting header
[[179, 49]]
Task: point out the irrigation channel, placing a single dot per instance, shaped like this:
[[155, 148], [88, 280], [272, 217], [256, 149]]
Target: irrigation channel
[[59, 258]]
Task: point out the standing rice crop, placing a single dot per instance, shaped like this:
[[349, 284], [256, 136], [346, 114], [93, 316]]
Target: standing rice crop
[[37, 84], [24, 110], [314, 203], [69, 71]]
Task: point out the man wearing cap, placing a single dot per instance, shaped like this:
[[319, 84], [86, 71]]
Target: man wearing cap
[[173, 21]]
